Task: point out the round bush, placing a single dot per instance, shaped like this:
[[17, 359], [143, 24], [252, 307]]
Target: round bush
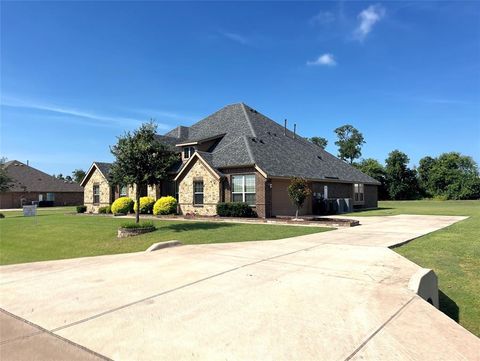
[[122, 205], [146, 205], [165, 205]]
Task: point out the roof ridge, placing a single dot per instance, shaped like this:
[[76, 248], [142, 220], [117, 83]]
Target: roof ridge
[[244, 108], [249, 150]]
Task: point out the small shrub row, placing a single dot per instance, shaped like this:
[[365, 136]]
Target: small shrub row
[[133, 225], [235, 209], [146, 205], [165, 205], [1, 215], [81, 209], [105, 210], [122, 205]]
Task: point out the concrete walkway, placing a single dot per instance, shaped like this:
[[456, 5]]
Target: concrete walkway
[[340, 295]]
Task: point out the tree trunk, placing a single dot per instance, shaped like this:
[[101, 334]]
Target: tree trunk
[[137, 199], [296, 214]]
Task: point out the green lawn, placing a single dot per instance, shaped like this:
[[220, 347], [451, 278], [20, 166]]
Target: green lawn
[[453, 253], [56, 235]]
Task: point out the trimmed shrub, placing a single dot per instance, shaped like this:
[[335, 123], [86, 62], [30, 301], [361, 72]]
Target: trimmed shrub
[[122, 205], [165, 205], [133, 225], [81, 209], [105, 210], [1, 215], [146, 205], [235, 209]]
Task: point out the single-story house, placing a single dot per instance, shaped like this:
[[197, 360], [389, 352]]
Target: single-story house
[[239, 155], [32, 186]]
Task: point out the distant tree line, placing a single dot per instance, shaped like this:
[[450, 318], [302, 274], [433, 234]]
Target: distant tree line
[[448, 176]]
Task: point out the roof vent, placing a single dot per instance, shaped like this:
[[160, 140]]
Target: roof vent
[[254, 140], [261, 141], [319, 157]]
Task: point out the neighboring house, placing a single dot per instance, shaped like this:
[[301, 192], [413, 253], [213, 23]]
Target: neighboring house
[[239, 155], [31, 185]]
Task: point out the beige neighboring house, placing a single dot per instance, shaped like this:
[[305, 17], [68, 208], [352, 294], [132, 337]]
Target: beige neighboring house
[[239, 155]]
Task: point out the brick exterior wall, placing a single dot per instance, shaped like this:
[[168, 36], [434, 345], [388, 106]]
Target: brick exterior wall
[[211, 191], [106, 195], [371, 196], [17, 199]]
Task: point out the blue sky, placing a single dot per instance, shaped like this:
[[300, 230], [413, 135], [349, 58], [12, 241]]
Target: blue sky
[[74, 75]]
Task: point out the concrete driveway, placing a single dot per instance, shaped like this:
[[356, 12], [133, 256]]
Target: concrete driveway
[[340, 295]]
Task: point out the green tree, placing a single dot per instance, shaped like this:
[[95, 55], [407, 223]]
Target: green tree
[[401, 181], [298, 191], [140, 160], [425, 166], [349, 142], [374, 169], [320, 141], [450, 175], [59, 176], [5, 181], [78, 175]]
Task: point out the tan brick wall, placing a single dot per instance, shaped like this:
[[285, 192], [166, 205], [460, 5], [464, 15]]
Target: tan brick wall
[[105, 190], [211, 191]]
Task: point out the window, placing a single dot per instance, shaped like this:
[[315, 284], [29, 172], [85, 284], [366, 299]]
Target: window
[[358, 192], [198, 192], [243, 189], [96, 193], [123, 191], [51, 197], [188, 152]]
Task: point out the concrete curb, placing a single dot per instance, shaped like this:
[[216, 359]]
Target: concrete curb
[[425, 284], [160, 245]]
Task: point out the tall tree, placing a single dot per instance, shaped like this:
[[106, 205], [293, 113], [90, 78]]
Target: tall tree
[[450, 176], [320, 141], [78, 175], [400, 179], [140, 160], [349, 142], [298, 191], [5, 181], [374, 169], [59, 176]]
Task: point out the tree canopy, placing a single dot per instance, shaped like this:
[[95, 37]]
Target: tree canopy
[[450, 176], [5, 181], [78, 175], [320, 141], [298, 191], [400, 179], [349, 142], [374, 169], [140, 159]]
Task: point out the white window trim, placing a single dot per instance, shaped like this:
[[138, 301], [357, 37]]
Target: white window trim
[[361, 193], [244, 193], [202, 193]]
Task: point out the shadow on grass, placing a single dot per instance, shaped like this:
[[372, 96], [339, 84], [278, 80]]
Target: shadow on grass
[[181, 227], [371, 209], [448, 306]]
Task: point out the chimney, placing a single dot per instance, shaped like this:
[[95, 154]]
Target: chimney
[[285, 128], [294, 130]]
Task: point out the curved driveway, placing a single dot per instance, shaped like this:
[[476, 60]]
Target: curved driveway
[[340, 295]]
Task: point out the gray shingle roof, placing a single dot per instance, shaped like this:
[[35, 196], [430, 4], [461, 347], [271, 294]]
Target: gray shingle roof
[[252, 138], [29, 179], [104, 168]]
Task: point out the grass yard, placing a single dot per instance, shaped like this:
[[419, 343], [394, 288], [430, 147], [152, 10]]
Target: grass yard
[[453, 253], [56, 235]]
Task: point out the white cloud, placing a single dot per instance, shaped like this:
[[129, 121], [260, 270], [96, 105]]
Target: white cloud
[[368, 18], [322, 18], [326, 59], [95, 118], [236, 38]]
